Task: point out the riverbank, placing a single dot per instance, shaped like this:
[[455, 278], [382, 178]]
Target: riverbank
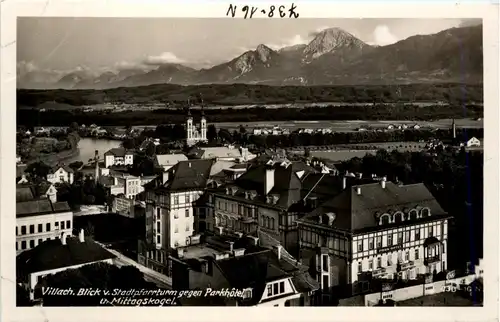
[[53, 158]]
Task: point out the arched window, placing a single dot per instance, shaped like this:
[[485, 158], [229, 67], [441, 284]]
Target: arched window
[[266, 222], [272, 223], [425, 212], [398, 217], [413, 214], [218, 220], [385, 219], [233, 223]]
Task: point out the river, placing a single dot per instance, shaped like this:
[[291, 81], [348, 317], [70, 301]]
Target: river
[[87, 147]]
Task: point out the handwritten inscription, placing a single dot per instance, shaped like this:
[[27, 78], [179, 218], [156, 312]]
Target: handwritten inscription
[[272, 11]]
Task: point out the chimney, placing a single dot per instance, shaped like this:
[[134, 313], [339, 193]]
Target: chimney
[[81, 236], [344, 182], [231, 245], [360, 175], [165, 177], [269, 183], [64, 239], [278, 248], [358, 190], [384, 179]]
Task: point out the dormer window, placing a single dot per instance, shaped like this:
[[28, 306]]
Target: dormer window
[[425, 212], [247, 293], [413, 214], [384, 219], [398, 217]]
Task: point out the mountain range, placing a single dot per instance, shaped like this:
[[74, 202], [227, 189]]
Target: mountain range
[[333, 57]]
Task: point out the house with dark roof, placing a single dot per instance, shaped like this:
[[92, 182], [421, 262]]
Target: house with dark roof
[[60, 173], [263, 276], [57, 255], [170, 208], [39, 217], [166, 161], [374, 231], [118, 156]]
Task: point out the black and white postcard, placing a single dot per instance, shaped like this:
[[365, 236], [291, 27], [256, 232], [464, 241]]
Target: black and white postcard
[[251, 155]]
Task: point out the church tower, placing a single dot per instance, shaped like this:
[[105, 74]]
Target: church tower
[[189, 125], [203, 123]]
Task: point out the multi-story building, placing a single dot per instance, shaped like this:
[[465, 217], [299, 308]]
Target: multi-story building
[[379, 230], [170, 201], [262, 197], [39, 218], [60, 174], [118, 156]]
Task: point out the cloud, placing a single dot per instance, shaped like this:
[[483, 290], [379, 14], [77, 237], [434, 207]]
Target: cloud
[[24, 67], [295, 40], [470, 22], [314, 33], [383, 36], [164, 58]]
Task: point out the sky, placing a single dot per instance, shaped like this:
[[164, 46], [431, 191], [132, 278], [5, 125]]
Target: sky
[[62, 44]]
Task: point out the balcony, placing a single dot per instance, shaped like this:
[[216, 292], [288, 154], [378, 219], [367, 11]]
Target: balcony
[[247, 220], [432, 259]]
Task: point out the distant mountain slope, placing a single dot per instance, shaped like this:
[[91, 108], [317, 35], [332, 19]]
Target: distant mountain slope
[[332, 57]]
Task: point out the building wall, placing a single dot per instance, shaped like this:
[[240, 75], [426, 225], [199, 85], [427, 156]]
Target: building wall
[[31, 240], [233, 215], [129, 159], [109, 160], [273, 290], [60, 176], [124, 207]]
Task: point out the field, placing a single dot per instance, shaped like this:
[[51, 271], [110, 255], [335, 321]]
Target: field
[[441, 299]]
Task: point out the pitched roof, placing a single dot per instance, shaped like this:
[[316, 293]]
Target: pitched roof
[[63, 166], [52, 254], [25, 192], [169, 159], [355, 212], [185, 175], [40, 207], [118, 152], [219, 152]]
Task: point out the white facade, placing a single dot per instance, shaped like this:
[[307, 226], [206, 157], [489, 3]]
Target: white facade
[[60, 176], [193, 135], [275, 291], [473, 142], [111, 159], [33, 230], [173, 222]]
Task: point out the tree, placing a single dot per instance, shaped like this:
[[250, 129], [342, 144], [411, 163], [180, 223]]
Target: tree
[[307, 152], [38, 170], [243, 130], [76, 165], [73, 127]]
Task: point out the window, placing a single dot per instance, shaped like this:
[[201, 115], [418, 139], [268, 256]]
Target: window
[[413, 214], [61, 178], [417, 234], [188, 198], [68, 224], [158, 239], [225, 206], [176, 215], [275, 288], [370, 243], [325, 282], [176, 229], [62, 225], [176, 200], [431, 231], [272, 223], [23, 230], [269, 290], [56, 224], [32, 243], [370, 264], [400, 238], [443, 249], [416, 254], [282, 287], [47, 227], [407, 256], [379, 242], [17, 246], [187, 213], [360, 245], [379, 262], [158, 212], [247, 293], [407, 236], [389, 260], [325, 263], [158, 226], [385, 220], [40, 228], [360, 267], [40, 241], [389, 240], [23, 244], [32, 229], [187, 226], [398, 217]]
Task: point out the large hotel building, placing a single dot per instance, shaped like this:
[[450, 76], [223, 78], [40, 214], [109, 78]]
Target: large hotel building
[[379, 230]]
